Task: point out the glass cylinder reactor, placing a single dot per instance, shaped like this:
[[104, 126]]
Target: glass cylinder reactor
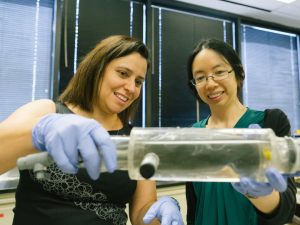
[[195, 154]]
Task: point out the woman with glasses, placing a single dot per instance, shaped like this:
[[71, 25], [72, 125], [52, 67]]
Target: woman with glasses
[[215, 75]]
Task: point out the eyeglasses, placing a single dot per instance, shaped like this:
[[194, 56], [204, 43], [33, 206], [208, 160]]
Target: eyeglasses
[[220, 75]]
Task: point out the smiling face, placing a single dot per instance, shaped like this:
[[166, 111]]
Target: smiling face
[[121, 83], [215, 93]]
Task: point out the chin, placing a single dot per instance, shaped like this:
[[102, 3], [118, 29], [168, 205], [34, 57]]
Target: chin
[[117, 110]]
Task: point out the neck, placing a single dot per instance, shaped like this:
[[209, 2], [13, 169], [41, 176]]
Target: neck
[[108, 121], [226, 116]]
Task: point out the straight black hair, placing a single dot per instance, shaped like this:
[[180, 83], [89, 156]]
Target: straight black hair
[[226, 52]]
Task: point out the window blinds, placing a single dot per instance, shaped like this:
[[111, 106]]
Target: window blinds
[[175, 34], [271, 68], [25, 52]]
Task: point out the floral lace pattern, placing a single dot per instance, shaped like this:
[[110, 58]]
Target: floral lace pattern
[[68, 187]]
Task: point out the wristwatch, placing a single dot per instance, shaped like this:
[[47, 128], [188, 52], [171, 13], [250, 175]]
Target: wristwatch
[[250, 196], [177, 203]]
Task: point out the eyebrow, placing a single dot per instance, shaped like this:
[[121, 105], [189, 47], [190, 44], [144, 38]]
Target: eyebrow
[[129, 70], [216, 66]]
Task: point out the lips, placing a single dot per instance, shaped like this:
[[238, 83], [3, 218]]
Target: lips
[[123, 98], [216, 95]]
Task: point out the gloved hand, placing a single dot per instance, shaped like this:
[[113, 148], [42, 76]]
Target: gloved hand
[[257, 189], [166, 210], [254, 126], [63, 136]]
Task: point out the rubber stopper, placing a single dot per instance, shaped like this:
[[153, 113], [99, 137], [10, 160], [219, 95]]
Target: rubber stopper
[[147, 170]]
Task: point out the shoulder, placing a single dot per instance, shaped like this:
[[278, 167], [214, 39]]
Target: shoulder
[[200, 124], [38, 108], [62, 108], [255, 112], [197, 124], [275, 114], [277, 120], [251, 116]]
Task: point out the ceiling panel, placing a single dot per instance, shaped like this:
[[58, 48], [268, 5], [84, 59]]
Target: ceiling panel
[[290, 10], [297, 3], [264, 4], [282, 13]]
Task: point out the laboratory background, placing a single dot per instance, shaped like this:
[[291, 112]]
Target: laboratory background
[[43, 41]]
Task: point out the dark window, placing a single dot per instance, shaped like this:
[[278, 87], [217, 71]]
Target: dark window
[[175, 35], [90, 22]]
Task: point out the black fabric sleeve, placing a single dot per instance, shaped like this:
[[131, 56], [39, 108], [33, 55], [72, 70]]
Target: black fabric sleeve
[[278, 121], [286, 210], [191, 202]]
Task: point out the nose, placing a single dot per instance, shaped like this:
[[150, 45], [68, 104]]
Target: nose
[[211, 83], [130, 85]]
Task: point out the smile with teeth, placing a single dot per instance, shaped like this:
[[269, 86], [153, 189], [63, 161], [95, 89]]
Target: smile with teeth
[[121, 97], [216, 95]]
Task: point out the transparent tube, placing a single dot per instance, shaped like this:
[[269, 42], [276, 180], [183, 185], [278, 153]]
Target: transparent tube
[[122, 143], [223, 155], [193, 154]]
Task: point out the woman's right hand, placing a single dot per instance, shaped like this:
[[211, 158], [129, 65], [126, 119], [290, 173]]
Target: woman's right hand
[[63, 136]]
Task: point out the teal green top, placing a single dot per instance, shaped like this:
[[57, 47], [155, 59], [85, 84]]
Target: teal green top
[[219, 203]]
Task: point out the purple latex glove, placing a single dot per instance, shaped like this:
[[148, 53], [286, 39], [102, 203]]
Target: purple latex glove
[[166, 211], [254, 126], [257, 189], [63, 136]]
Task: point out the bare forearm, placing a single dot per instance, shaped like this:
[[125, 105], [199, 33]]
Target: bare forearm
[[15, 142], [139, 219], [267, 204]]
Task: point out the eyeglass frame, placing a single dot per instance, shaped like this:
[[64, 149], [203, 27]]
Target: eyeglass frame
[[212, 76]]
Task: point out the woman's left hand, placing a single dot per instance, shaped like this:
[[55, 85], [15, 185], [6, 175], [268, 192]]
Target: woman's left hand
[[258, 189], [166, 211]]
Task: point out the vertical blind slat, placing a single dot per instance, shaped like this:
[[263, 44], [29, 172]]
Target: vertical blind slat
[[25, 52], [271, 72]]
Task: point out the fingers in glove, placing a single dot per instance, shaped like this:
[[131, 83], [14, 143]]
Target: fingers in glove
[[248, 183], [70, 143], [254, 126], [175, 222], [237, 186], [107, 147], [166, 219], [90, 156], [151, 213], [148, 217], [62, 160], [276, 180], [256, 189], [248, 186]]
